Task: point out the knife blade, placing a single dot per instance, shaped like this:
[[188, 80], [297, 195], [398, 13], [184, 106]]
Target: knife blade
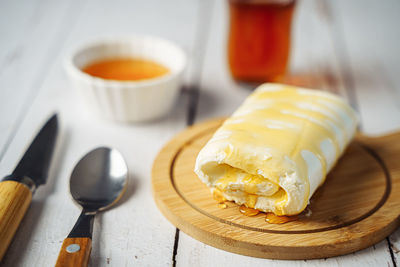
[[16, 189]]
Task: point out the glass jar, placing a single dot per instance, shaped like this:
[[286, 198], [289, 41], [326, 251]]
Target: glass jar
[[259, 39]]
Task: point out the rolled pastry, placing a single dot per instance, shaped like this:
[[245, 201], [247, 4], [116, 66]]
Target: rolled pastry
[[277, 148]]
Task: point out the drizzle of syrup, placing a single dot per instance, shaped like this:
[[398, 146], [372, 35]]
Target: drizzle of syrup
[[222, 206], [274, 219], [248, 211], [269, 218], [217, 194]]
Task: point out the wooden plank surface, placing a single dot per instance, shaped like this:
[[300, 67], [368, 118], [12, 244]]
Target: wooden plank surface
[[348, 47], [133, 232], [32, 34]]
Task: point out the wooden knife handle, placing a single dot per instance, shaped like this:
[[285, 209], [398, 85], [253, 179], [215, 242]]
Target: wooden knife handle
[[14, 202], [75, 252]]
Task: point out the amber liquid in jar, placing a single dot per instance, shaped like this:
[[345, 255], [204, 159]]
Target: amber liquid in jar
[[259, 39]]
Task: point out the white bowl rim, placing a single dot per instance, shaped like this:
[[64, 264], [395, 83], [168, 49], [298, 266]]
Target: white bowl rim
[[71, 67]]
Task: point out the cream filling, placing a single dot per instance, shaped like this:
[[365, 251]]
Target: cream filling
[[288, 196]]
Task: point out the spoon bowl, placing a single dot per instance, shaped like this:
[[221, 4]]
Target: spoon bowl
[[99, 179]]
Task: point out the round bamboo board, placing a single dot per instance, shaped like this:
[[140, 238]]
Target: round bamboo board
[[358, 205]]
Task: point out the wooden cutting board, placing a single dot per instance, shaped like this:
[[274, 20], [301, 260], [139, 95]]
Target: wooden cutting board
[[358, 205]]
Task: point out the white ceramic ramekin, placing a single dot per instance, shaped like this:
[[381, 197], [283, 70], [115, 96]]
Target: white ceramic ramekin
[[128, 101]]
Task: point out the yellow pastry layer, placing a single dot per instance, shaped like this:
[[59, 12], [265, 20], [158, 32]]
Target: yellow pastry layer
[[276, 149]]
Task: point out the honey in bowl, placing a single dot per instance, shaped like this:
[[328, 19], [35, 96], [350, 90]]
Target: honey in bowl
[[127, 69]]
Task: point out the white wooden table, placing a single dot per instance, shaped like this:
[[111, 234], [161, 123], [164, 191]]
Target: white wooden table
[[347, 47]]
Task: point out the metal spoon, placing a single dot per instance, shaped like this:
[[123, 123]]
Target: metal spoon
[[97, 182]]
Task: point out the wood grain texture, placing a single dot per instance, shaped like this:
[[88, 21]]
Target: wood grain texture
[[356, 208], [14, 201], [25, 55], [129, 233], [79, 258]]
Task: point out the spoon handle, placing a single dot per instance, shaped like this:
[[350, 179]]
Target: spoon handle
[[75, 252]]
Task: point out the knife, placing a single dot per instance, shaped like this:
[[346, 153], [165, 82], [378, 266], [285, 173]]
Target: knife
[[16, 190]]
